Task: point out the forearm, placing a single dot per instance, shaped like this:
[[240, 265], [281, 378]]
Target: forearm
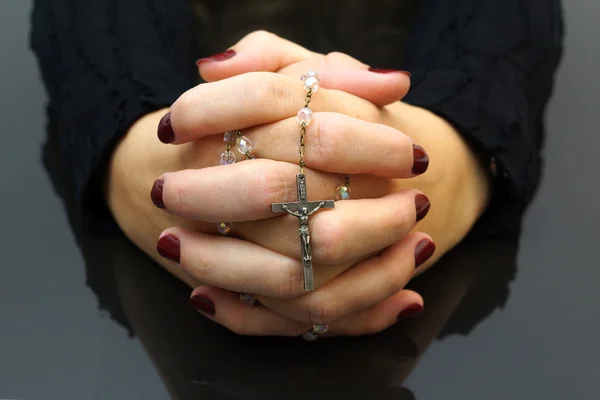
[[105, 64]]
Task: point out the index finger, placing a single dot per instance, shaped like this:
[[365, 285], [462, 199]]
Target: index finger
[[251, 99]]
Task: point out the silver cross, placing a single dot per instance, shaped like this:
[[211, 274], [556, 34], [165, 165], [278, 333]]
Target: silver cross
[[302, 209]]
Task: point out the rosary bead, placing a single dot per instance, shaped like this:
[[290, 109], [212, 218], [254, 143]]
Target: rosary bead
[[343, 192], [244, 145], [224, 227], [305, 116], [248, 299], [229, 136], [320, 329], [312, 84], [227, 157], [310, 74]]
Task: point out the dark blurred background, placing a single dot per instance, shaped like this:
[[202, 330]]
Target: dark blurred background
[[540, 342]]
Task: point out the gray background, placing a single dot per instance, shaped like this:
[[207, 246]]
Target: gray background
[[55, 344]]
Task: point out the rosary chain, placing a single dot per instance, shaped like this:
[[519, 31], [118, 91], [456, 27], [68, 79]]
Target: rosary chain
[[301, 163]]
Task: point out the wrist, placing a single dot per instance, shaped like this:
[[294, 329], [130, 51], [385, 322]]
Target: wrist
[[136, 162], [456, 182]]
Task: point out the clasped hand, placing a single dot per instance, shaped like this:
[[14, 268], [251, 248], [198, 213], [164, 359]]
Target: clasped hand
[[364, 251]]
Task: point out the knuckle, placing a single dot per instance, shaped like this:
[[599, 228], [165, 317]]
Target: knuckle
[[321, 139], [268, 88], [330, 243], [202, 265], [270, 92], [269, 185], [260, 36], [337, 57], [178, 194]]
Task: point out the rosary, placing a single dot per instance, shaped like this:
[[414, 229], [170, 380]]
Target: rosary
[[301, 209]]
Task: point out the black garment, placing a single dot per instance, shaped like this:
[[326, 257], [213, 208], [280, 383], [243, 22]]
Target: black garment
[[484, 65]]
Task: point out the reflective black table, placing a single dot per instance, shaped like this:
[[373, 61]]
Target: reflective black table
[[88, 317]]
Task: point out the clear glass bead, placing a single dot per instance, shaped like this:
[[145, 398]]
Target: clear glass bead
[[248, 299], [244, 145], [310, 74], [320, 329], [311, 83], [342, 192], [229, 136], [227, 157], [304, 116], [224, 227]]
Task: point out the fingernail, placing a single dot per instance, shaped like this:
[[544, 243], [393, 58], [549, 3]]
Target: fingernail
[[420, 160], [218, 57], [422, 204], [168, 247], [165, 130], [423, 252], [410, 311], [156, 194], [203, 304], [389, 71]]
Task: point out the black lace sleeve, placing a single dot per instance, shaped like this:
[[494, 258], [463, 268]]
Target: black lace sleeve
[[487, 67], [106, 63]]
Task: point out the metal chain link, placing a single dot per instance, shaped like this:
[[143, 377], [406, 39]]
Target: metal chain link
[[301, 163]]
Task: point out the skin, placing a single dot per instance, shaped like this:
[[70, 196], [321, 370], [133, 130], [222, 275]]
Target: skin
[[359, 128]]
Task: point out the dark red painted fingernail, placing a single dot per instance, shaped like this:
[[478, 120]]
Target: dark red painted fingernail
[[422, 204], [203, 304], [410, 311], [168, 247], [389, 71], [165, 130], [156, 194], [423, 252], [218, 57], [420, 160]]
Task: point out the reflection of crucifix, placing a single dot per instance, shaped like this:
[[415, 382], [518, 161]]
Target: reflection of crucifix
[[302, 209]]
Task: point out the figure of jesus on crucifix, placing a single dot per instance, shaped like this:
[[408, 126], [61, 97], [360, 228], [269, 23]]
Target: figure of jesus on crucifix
[[303, 231], [302, 209]]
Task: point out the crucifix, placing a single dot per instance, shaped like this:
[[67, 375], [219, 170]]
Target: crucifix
[[302, 209]]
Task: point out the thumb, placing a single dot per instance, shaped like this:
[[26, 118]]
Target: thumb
[[262, 51], [259, 51]]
